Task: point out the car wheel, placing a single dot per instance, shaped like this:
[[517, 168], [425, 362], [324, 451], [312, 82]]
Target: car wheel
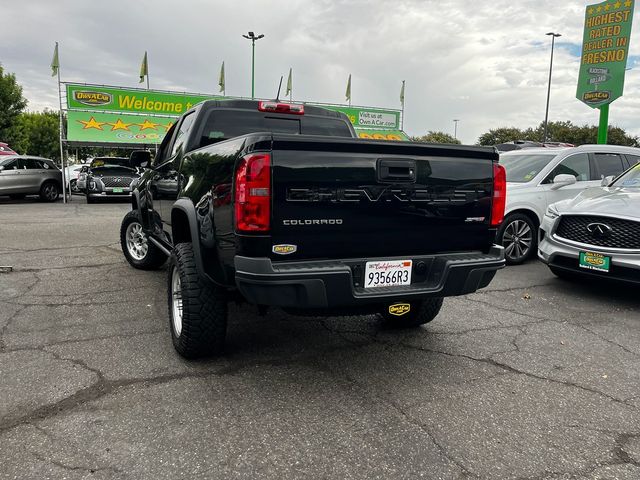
[[73, 186], [517, 235], [137, 249], [197, 309], [412, 314], [49, 192]]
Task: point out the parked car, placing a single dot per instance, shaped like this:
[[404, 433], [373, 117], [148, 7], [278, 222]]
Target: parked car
[[596, 234], [538, 177], [109, 177], [5, 150], [25, 175], [281, 205], [73, 172]]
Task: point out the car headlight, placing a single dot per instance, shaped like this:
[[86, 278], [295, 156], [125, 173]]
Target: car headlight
[[92, 185], [552, 212]]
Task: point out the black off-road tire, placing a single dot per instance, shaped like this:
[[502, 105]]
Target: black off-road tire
[[49, 191], [420, 313], [204, 308], [154, 257]]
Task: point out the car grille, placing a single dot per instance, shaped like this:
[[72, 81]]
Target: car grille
[[116, 181], [624, 234]]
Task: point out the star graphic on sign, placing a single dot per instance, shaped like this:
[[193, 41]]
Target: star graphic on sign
[[167, 126], [120, 125], [148, 125], [599, 9], [590, 11], [627, 3], [92, 123], [607, 7], [617, 5]]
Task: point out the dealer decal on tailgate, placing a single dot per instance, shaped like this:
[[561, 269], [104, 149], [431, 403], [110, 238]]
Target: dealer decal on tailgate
[[399, 309]]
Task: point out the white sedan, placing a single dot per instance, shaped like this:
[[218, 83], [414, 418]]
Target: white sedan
[[538, 177]]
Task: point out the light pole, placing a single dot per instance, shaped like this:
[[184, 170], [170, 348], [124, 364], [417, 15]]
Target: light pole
[[546, 114], [253, 37], [455, 128]]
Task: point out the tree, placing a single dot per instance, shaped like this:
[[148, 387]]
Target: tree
[[564, 131], [501, 135], [36, 133], [436, 137], [12, 103]]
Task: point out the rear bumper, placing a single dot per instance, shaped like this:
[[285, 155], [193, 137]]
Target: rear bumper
[[335, 283]]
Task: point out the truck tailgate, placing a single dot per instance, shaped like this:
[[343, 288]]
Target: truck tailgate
[[335, 198]]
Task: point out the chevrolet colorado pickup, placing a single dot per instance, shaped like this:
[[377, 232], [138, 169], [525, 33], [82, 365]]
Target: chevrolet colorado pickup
[[279, 205]]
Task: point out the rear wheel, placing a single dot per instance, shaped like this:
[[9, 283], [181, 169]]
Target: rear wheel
[[49, 192], [412, 314], [197, 309], [517, 235], [137, 249]]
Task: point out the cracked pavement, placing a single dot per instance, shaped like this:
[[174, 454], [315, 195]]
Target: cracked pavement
[[531, 378]]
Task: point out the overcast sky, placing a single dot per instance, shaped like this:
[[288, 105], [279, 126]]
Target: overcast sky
[[485, 63]]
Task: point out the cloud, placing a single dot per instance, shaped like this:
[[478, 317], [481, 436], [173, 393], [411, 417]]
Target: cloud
[[483, 63]]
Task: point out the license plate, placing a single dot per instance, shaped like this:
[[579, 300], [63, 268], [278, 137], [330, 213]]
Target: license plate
[[117, 190], [595, 261], [387, 273]]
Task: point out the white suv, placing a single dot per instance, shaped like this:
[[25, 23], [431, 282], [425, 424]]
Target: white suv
[[538, 177]]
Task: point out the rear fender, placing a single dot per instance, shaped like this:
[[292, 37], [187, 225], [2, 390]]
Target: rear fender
[[186, 226]]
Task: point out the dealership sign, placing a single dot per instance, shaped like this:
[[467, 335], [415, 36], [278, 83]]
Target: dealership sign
[[605, 49], [103, 127], [107, 127], [107, 114]]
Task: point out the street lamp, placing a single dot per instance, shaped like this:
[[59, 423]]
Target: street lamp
[[455, 128], [546, 114], [253, 37]]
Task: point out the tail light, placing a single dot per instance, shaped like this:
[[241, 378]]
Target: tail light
[[499, 194], [253, 193], [275, 107]]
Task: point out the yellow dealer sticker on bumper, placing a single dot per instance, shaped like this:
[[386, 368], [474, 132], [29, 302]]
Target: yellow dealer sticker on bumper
[[399, 309]]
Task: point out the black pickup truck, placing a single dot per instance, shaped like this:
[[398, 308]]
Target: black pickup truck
[[279, 205]]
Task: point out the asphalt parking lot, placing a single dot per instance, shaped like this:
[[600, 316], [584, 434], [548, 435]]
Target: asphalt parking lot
[[532, 378]]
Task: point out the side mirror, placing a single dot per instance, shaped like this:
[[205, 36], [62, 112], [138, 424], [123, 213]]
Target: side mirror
[[606, 181], [562, 180], [140, 158]]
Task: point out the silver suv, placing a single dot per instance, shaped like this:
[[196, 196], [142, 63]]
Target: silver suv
[[23, 175]]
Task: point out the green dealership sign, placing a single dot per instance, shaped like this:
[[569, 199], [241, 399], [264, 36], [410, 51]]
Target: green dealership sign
[[156, 102], [605, 49], [107, 127]]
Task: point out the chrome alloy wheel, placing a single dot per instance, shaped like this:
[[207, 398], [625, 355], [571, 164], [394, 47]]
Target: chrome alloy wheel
[[176, 301], [517, 240], [50, 192], [137, 243]]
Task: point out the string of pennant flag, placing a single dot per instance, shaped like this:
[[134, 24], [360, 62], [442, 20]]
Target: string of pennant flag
[[144, 74]]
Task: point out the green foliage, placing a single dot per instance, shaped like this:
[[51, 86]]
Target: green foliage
[[436, 137], [36, 133], [12, 103], [558, 132]]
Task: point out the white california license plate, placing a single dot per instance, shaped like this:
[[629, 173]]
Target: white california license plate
[[387, 273]]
